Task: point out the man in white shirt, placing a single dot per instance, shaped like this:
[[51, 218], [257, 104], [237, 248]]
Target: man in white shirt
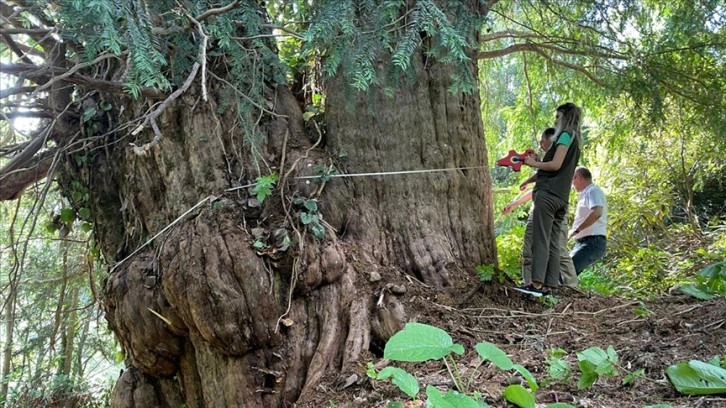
[[590, 223]]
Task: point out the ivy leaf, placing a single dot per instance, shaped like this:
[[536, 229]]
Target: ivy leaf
[[318, 230], [67, 215], [84, 213], [311, 205], [308, 218], [307, 115]]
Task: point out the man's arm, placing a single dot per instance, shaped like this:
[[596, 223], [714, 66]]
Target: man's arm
[[595, 213], [529, 180], [519, 200]]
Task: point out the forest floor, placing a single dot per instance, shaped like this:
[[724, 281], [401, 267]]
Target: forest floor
[[651, 335]]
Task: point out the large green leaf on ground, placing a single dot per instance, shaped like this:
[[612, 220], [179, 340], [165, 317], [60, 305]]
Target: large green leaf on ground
[[419, 342], [697, 378]]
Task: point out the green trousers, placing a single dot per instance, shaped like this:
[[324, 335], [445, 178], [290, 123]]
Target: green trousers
[[568, 276]]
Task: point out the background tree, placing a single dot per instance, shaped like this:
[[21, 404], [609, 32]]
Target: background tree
[[648, 79], [56, 348], [167, 124]]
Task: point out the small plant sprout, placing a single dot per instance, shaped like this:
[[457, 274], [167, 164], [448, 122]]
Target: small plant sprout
[[264, 186], [559, 369], [594, 362]]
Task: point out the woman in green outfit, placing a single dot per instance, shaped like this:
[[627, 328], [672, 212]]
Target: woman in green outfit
[[550, 196]]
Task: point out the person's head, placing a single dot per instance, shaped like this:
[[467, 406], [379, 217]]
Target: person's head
[[568, 118], [581, 179], [545, 139]]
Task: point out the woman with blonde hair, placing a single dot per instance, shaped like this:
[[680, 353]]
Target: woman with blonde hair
[[550, 196]]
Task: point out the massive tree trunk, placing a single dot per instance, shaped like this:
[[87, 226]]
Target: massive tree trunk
[[208, 318]]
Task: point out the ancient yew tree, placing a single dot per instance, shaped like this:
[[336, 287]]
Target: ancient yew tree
[[268, 181], [242, 265]]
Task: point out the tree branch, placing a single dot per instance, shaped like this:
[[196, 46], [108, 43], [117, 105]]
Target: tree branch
[[26, 31], [573, 67], [533, 46], [201, 17], [14, 47], [43, 74], [151, 117], [13, 183], [488, 6], [216, 11], [4, 93], [28, 114], [35, 144]]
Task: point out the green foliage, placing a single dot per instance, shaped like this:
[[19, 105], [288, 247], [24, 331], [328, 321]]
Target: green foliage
[[405, 381], [110, 26], [642, 310], [55, 285], [324, 174], [519, 396], [353, 38], [309, 216], [630, 377], [451, 399], [716, 361], [697, 378], [509, 251], [558, 369], [490, 352], [263, 186], [709, 283], [419, 342], [595, 362], [654, 139], [485, 272]]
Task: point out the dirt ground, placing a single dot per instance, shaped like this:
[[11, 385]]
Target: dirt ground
[[651, 335]]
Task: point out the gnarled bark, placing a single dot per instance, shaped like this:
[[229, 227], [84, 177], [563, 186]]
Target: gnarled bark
[[205, 316], [237, 303]]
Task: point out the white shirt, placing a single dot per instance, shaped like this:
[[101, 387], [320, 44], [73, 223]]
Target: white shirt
[[589, 198]]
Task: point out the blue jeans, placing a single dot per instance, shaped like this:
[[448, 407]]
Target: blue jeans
[[587, 251]]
